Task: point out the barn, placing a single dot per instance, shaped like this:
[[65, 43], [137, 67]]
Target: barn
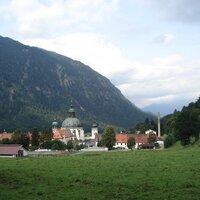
[[12, 150]]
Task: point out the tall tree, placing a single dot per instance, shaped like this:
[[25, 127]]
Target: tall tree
[[131, 142], [108, 137], [46, 135], [16, 137], [35, 138], [188, 124], [20, 138]]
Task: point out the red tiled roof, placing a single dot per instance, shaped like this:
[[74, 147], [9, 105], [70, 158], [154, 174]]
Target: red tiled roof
[[139, 138], [10, 149], [62, 133], [5, 136], [121, 138]]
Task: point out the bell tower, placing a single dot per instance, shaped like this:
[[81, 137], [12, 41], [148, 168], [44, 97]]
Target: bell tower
[[94, 130]]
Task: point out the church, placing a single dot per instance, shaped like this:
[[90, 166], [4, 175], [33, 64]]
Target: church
[[72, 129]]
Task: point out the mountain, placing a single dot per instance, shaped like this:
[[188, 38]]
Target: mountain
[[38, 85], [165, 108]]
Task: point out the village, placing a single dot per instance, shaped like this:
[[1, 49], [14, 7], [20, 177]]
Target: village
[[71, 133]]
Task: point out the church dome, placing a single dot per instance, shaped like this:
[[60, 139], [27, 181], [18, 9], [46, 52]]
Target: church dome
[[71, 122]]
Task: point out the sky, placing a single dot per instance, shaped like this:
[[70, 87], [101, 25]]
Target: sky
[[149, 49]]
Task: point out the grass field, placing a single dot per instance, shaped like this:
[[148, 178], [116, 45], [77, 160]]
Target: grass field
[[167, 174]]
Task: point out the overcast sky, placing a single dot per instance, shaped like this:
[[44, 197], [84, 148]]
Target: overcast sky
[[149, 49]]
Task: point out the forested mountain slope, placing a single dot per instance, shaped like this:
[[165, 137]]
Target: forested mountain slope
[[37, 86]]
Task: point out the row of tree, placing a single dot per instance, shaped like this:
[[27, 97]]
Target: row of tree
[[43, 139], [144, 126], [183, 126]]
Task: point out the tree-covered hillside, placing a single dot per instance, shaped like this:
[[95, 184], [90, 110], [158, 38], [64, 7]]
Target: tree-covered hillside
[[37, 86], [183, 125]]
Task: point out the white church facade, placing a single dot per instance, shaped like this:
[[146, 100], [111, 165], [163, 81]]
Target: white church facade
[[72, 129]]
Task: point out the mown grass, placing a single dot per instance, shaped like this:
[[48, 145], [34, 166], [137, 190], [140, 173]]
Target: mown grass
[[167, 174]]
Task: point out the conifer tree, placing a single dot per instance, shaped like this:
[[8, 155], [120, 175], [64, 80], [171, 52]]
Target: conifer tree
[[108, 137]]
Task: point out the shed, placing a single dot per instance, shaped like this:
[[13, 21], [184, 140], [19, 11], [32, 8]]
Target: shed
[[12, 150]]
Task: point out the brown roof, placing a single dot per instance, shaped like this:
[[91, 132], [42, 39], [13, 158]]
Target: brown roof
[[5, 136], [139, 138], [62, 133], [10, 149], [121, 138]]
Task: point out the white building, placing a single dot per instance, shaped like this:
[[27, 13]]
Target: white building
[[150, 132], [73, 125], [122, 140]]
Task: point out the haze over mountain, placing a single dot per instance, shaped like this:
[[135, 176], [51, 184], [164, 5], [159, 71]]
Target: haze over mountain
[[167, 108], [38, 85]]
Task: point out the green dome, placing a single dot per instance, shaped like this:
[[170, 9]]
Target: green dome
[[71, 122]]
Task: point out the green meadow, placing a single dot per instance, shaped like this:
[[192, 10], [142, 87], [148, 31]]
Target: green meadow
[[164, 174]]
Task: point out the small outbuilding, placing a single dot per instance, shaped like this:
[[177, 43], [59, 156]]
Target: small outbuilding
[[12, 150]]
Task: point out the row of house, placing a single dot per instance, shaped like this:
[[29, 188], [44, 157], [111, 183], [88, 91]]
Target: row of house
[[71, 129], [141, 141], [16, 150]]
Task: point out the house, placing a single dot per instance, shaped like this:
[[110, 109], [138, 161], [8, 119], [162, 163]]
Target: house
[[150, 132], [12, 150], [122, 139], [63, 135], [5, 135]]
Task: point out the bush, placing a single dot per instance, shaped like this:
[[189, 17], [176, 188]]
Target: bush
[[169, 140]]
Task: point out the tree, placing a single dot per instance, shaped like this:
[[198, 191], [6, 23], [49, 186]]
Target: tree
[[146, 125], [69, 145], [35, 138], [5, 141], [188, 124], [169, 140], [16, 137], [131, 142], [25, 140], [151, 138], [108, 137], [20, 138], [55, 146], [46, 135]]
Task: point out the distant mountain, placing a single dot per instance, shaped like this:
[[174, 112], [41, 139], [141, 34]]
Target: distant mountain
[[165, 108], [38, 85]]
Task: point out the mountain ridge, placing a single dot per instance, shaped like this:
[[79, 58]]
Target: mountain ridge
[[38, 85]]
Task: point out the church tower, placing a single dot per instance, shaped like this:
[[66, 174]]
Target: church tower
[[94, 130], [54, 126]]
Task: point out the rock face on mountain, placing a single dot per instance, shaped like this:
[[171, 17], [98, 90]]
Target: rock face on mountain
[[37, 86]]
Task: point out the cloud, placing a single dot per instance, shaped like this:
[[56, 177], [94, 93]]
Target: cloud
[[92, 49], [91, 10], [163, 38], [38, 18], [164, 80], [178, 10]]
